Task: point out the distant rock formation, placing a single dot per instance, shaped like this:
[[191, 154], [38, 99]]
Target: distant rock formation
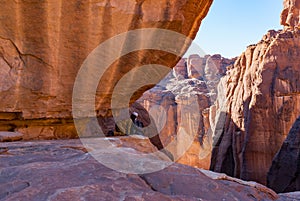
[[284, 174], [44, 43], [259, 103], [181, 102]]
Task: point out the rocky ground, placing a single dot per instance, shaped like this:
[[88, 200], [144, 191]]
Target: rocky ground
[[64, 170]]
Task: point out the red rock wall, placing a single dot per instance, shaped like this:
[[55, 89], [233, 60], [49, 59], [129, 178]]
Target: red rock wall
[[43, 44], [260, 104]]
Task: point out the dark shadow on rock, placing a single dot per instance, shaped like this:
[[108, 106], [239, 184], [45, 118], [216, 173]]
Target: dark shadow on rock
[[284, 174], [222, 159]]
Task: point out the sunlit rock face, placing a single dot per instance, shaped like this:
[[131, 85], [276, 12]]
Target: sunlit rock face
[[259, 105], [44, 43], [179, 106], [290, 16]]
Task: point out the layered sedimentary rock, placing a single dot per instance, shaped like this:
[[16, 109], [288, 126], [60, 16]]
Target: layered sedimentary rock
[[62, 170], [179, 106], [259, 103], [284, 174], [44, 43]]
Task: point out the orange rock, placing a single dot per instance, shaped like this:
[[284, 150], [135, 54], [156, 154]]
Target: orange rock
[[43, 44], [290, 16]]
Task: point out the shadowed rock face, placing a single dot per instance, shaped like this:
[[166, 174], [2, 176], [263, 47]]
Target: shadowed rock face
[[259, 105], [63, 170], [284, 174], [44, 43]]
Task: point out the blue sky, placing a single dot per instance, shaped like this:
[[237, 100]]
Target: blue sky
[[232, 25]]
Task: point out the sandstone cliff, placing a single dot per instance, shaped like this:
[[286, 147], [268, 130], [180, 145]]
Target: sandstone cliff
[[181, 102], [259, 103], [43, 44]]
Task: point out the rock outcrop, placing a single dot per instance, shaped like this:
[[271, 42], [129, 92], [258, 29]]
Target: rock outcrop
[[180, 103], [44, 43], [284, 174], [63, 170], [10, 136], [290, 16], [258, 106]]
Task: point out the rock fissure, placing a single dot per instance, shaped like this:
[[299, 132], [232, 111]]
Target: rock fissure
[[15, 46], [148, 183]]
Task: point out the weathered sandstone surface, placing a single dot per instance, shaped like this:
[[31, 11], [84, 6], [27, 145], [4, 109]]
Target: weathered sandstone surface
[[63, 170], [259, 103], [44, 43]]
